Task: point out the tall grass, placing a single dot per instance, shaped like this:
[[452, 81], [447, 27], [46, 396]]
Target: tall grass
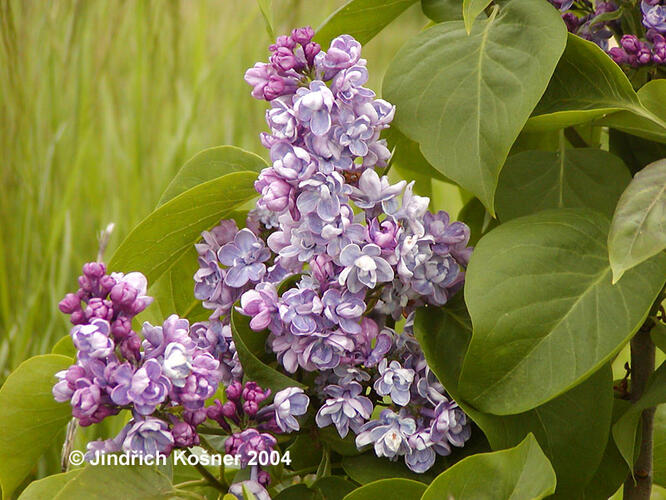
[[100, 103]]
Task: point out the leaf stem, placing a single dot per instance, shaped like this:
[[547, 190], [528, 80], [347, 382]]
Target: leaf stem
[[638, 484]]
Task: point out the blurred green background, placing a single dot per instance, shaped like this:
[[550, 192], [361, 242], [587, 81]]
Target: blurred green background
[[100, 103]]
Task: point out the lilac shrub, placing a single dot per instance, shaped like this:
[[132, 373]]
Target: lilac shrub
[[333, 263]]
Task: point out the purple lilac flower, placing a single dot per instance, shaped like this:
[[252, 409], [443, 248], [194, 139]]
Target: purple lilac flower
[[184, 435], [200, 384], [363, 267], [290, 403], [348, 84], [324, 350], [148, 437], [247, 442], [93, 339], [389, 434], [245, 256], [394, 381], [654, 16], [345, 408], [323, 195], [300, 309], [145, 388], [449, 424], [372, 191], [261, 304], [343, 53], [344, 308], [174, 329], [422, 455], [292, 163], [313, 107]]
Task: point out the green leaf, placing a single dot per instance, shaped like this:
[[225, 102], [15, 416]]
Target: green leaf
[[475, 215], [30, 419], [471, 10], [210, 164], [545, 313], [389, 489], [658, 334], [296, 492], [362, 19], [160, 239], [367, 468], [465, 98], [586, 85], [117, 481], [266, 8], [572, 429], [442, 10], [638, 229], [647, 121], [65, 347], [48, 487], [342, 446], [333, 487], [250, 347], [571, 178], [173, 291], [612, 470], [520, 473], [625, 429]]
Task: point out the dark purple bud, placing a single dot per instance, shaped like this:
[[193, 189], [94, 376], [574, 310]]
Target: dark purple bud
[[99, 308], [106, 283], [310, 51], [630, 43], [655, 37], [78, 317], [283, 58], [275, 87], [184, 435], [302, 35], [250, 408], [644, 55], [70, 303], [234, 390], [263, 478], [282, 41], [195, 417], [229, 409], [94, 270], [121, 328], [130, 347], [123, 294], [618, 55], [659, 53]]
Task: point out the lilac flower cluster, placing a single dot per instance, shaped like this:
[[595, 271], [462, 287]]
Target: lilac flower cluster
[[581, 19], [114, 370], [332, 257], [636, 53], [164, 380]]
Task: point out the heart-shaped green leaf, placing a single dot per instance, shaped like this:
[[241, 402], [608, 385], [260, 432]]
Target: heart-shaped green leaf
[[465, 98], [160, 239], [572, 429], [586, 85], [520, 473], [571, 178], [389, 489], [362, 19], [210, 164], [638, 228], [544, 310], [30, 419]]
